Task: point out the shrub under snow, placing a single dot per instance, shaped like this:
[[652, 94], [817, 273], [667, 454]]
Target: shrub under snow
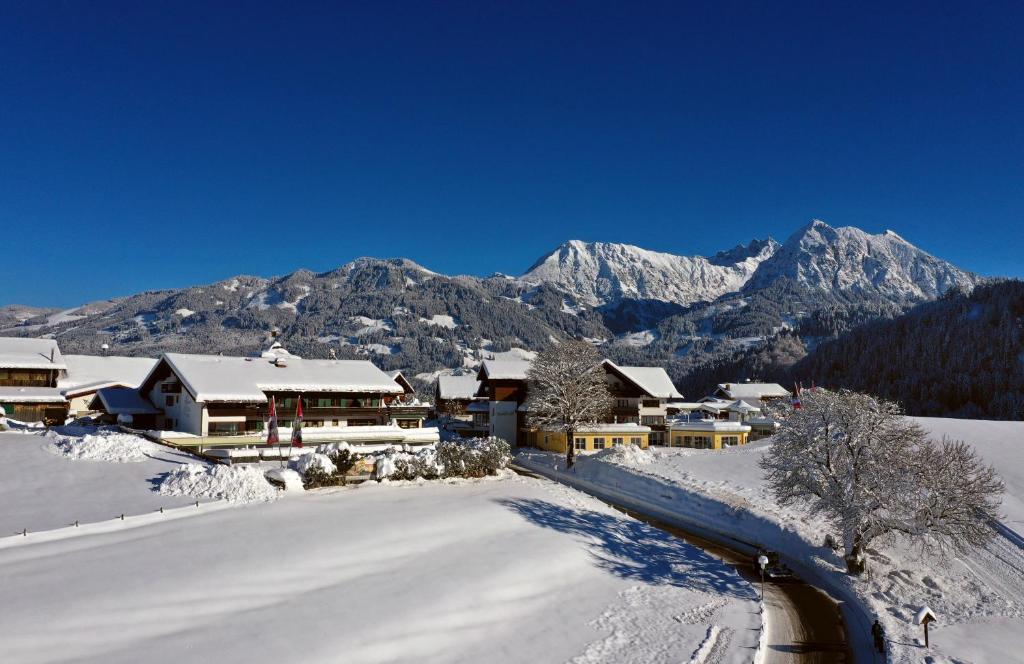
[[234, 483], [631, 456], [473, 457], [104, 445]]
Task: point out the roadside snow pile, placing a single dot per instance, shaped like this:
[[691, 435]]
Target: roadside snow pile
[[627, 455], [303, 463], [243, 484], [103, 446]]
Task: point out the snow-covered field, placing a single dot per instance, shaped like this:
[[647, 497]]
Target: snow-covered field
[[42, 487], [979, 597], [496, 570]]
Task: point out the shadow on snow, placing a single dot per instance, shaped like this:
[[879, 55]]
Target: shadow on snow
[[635, 550]]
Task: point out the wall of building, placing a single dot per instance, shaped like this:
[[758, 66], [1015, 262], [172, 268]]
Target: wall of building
[[706, 439], [504, 421], [554, 441]]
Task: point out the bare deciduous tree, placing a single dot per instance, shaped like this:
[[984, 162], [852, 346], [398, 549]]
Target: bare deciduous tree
[[567, 391], [874, 474]]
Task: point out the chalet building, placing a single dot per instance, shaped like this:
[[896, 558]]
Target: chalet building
[[225, 400], [456, 399], [87, 374], [405, 410], [453, 394], [503, 384], [641, 396], [29, 372]]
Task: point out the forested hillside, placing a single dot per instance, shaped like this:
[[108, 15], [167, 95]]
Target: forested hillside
[[960, 356]]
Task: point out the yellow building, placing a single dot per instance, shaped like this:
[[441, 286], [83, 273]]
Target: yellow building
[[708, 434], [593, 438]]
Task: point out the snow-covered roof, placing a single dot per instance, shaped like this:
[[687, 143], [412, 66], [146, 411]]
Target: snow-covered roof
[[31, 395], [652, 380], [457, 387], [715, 426], [753, 390], [621, 427], [402, 381], [741, 406], [124, 401], [246, 379], [87, 373], [505, 369], [24, 353]]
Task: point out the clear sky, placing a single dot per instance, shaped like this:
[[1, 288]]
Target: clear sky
[[151, 145]]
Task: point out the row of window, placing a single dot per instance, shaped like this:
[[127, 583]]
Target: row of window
[[599, 443], [703, 442], [256, 426]]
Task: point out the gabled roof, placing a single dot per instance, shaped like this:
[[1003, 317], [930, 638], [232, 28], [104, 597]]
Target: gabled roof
[[504, 369], [402, 381], [123, 401], [24, 353], [457, 387], [88, 373], [246, 379], [753, 390], [653, 381]]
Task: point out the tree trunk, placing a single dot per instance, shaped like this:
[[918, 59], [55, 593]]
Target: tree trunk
[[570, 449], [855, 562]]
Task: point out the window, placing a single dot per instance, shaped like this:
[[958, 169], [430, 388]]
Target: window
[[679, 441], [286, 424], [581, 444], [334, 423], [169, 400], [652, 419], [651, 403], [636, 440], [173, 387], [616, 442], [169, 423], [547, 439], [599, 443], [687, 441], [730, 440]]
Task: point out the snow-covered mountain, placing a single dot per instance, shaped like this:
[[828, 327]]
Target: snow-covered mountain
[[597, 273], [817, 256], [849, 260]]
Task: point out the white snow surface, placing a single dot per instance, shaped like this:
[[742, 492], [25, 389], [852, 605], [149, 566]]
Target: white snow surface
[[512, 570], [40, 490], [242, 484], [978, 597]]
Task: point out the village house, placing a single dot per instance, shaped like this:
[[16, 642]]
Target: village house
[[747, 390], [225, 401], [406, 410], [29, 373], [641, 398], [456, 399]]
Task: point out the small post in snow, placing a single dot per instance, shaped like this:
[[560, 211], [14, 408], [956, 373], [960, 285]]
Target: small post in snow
[[924, 616]]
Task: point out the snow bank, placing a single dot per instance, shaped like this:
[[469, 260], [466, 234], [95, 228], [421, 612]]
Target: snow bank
[[103, 445], [631, 456], [291, 479], [244, 484]]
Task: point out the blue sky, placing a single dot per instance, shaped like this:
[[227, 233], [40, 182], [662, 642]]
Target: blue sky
[[154, 145]]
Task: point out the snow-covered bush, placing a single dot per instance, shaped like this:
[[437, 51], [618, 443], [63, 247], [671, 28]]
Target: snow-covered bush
[[473, 457], [422, 464]]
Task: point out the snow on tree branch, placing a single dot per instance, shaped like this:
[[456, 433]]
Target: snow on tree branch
[[874, 474]]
